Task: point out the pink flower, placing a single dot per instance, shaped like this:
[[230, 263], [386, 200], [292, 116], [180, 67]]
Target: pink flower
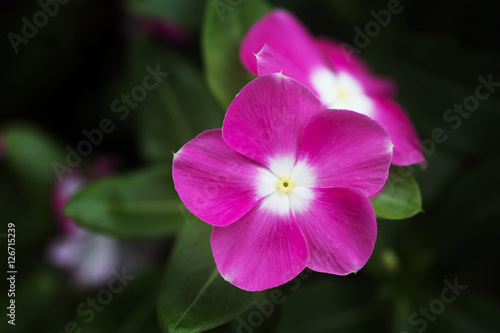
[[279, 43], [91, 258], [169, 30], [285, 184], [2, 144]]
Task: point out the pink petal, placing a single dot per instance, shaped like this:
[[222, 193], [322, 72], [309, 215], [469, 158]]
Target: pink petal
[[340, 230], [261, 250], [407, 147], [346, 149], [265, 119], [215, 183], [283, 32], [343, 60], [269, 61]]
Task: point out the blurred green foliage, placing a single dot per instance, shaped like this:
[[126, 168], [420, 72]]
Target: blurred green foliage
[[90, 53], [137, 205], [224, 27]]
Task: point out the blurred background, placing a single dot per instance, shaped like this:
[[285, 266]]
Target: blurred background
[[66, 71]]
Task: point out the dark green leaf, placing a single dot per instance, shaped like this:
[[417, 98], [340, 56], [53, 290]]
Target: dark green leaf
[[223, 28], [400, 198], [132, 310], [194, 297], [139, 204]]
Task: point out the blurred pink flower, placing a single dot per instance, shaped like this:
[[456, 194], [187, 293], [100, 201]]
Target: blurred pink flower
[[285, 184], [168, 30], [90, 258], [279, 43], [1, 146]]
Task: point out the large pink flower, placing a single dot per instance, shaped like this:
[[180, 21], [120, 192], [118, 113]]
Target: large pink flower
[[285, 184], [279, 43]]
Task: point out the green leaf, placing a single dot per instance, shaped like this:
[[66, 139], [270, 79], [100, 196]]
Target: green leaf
[[223, 29], [194, 297], [400, 198], [30, 154], [138, 204]]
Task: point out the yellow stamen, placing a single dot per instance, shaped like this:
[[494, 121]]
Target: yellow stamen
[[286, 184], [342, 94]]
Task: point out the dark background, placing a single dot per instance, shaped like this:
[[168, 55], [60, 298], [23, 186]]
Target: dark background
[[64, 79]]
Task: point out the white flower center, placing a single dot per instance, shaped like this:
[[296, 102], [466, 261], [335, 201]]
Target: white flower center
[[341, 91], [285, 185]]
